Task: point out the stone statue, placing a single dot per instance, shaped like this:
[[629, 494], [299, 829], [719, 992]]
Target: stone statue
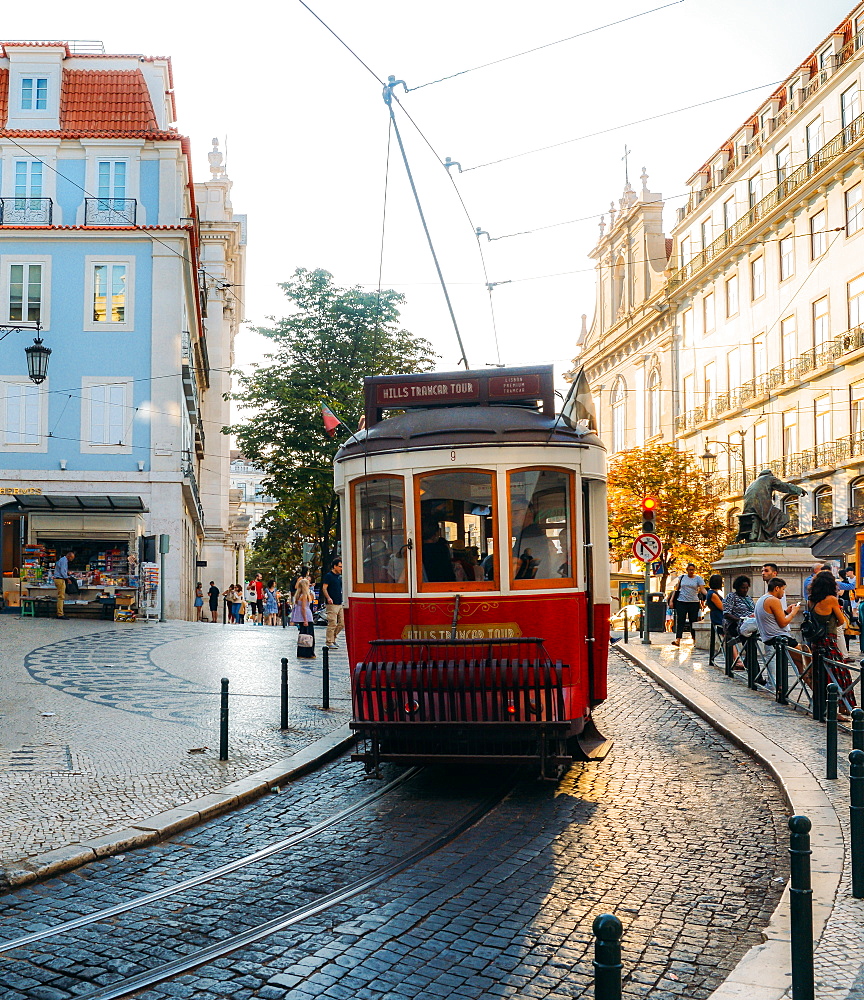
[[760, 520]]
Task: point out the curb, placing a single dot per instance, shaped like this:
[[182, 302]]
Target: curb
[[763, 973], [152, 829]]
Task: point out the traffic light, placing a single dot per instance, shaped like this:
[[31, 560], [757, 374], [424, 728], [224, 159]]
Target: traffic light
[[649, 514]]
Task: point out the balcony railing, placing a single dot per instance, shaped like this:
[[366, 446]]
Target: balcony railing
[[26, 211], [110, 211], [192, 481], [849, 136], [855, 515], [822, 522]]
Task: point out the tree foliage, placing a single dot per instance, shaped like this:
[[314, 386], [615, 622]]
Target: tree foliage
[[329, 341], [690, 522]]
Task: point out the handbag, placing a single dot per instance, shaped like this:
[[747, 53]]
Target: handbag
[[748, 626], [72, 586], [305, 640]]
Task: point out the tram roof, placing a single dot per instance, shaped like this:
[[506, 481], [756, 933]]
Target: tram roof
[[446, 427]]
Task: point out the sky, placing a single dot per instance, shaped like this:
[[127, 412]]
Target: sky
[[307, 135]]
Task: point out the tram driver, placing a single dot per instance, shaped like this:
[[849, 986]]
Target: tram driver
[[437, 558]]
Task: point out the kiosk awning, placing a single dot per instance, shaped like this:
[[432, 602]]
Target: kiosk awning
[[45, 503], [836, 542]]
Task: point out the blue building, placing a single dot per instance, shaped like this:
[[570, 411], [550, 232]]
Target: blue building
[[103, 245]]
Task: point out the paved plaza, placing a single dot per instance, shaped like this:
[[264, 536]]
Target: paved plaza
[[103, 725]]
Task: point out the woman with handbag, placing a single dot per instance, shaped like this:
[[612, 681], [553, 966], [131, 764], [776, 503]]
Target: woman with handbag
[[301, 616], [686, 599]]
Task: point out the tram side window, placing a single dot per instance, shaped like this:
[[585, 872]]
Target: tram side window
[[541, 526], [379, 506], [456, 512]]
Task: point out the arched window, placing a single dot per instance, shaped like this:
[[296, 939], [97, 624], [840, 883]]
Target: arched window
[[856, 500], [823, 507], [617, 286], [619, 414], [732, 519], [653, 403], [791, 509]]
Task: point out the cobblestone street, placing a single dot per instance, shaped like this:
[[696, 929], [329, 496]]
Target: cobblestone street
[[677, 832], [97, 720]]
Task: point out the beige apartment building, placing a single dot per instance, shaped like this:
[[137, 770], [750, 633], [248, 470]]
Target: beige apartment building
[[748, 344]]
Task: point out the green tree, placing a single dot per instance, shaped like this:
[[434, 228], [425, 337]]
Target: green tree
[[690, 521], [323, 348]]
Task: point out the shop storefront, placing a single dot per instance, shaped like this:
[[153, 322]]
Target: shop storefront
[[103, 532]]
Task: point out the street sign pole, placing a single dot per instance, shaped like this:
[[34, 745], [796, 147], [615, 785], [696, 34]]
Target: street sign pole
[[646, 639]]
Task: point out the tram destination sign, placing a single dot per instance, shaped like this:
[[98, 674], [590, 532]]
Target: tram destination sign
[[446, 391]]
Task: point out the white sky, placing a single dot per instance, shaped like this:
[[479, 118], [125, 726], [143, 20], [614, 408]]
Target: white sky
[[307, 131]]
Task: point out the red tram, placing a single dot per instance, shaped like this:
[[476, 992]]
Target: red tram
[[472, 519]]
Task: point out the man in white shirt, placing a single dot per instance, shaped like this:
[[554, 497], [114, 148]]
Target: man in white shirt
[[61, 575]]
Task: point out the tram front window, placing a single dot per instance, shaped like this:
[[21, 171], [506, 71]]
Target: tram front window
[[379, 508], [541, 526], [456, 512]]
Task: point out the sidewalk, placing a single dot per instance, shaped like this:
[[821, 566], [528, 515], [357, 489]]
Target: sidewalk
[[109, 733], [792, 746]]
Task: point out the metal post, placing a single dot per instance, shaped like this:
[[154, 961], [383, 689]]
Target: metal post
[[223, 722], [607, 957], [751, 661], [831, 734], [284, 694], [225, 611], [646, 631], [781, 673], [729, 656], [626, 625], [858, 728], [856, 820], [817, 680], [325, 679], [283, 605], [801, 909], [712, 643]]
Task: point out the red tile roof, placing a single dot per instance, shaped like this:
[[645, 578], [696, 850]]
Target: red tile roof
[[110, 100], [4, 93], [84, 133]]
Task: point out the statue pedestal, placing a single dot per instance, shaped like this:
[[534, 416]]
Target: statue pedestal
[[795, 562]]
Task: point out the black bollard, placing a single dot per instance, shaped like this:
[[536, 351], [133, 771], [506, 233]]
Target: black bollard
[[223, 722], [325, 679], [284, 609], [751, 661], [607, 957], [858, 729], [224, 612], [781, 673], [831, 734], [283, 691], [801, 908], [856, 819], [626, 625], [817, 681], [712, 645], [729, 654]]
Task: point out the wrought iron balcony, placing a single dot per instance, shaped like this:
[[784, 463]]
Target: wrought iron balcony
[[110, 211], [855, 515], [822, 522], [26, 211], [192, 482]]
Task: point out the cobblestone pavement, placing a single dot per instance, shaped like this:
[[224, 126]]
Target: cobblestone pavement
[[97, 720], [677, 832], [839, 956]]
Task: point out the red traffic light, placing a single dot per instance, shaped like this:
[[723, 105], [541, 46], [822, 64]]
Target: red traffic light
[[649, 505]]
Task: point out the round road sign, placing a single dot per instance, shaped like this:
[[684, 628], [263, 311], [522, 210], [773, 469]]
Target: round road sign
[[647, 548]]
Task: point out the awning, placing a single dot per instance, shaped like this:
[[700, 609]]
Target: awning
[[836, 542], [89, 504]]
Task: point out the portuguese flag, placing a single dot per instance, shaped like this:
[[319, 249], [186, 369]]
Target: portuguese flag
[[331, 421]]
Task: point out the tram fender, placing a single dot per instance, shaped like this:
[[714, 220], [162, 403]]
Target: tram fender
[[590, 744]]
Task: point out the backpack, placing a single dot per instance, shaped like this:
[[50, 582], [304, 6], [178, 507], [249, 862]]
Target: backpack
[[811, 628]]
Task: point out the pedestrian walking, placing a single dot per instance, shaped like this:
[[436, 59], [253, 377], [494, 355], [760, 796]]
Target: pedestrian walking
[[301, 616], [258, 584], [827, 612], [271, 602], [686, 599], [61, 579], [331, 588], [213, 600], [199, 602]]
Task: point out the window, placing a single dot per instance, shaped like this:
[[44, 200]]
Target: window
[[826, 57], [814, 137], [790, 432], [708, 313], [653, 403], [760, 356], [856, 414], [782, 160], [22, 414], [728, 213], [710, 380], [733, 366], [788, 340], [787, 257], [619, 415], [854, 217], [541, 528], [28, 182], [106, 414], [753, 190], [855, 295], [687, 393], [25, 293], [456, 524], [685, 250], [34, 93], [823, 504], [760, 437], [705, 233], [378, 504], [618, 287], [111, 180], [822, 409], [821, 324], [818, 238], [687, 327], [856, 498], [791, 509], [732, 295], [850, 105], [109, 293], [757, 278]]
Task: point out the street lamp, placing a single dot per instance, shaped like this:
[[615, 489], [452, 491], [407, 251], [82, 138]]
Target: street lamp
[[37, 353], [709, 460]]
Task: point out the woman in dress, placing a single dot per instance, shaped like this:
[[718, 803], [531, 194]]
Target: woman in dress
[[301, 616], [826, 610], [199, 602], [271, 602]]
